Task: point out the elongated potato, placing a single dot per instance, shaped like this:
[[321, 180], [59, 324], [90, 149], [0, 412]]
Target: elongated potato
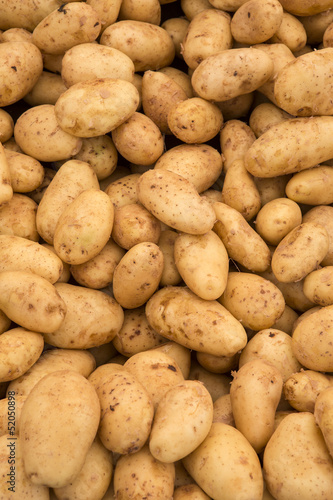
[[322, 214], [6, 191], [291, 33], [308, 8], [235, 139]]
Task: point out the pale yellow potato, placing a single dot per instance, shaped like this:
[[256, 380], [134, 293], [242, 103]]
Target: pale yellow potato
[[313, 186], [323, 413], [18, 217], [195, 120], [323, 215], [17, 253], [264, 116], [50, 361], [98, 272], [185, 160], [100, 153], [316, 24], [148, 11], [235, 139], [203, 263], [6, 126], [239, 190], [207, 327], [236, 107], [126, 409], [160, 93], [298, 94], [16, 35], [47, 90], [25, 15], [93, 318], [166, 243], [133, 224], [286, 320], [275, 347], [217, 364], [94, 477], [140, 475], [231, 73], [285, 148], [304, 315], [224, 455], [277, 218], [88, 61], [302, 388], [73, 23], [208, 33], [310, 346], [72, 178], [19, 350], [192, 7], [107, 103], [255, 302], [212, 195], [26, 173], [139, 140], [300, 252], [180, 77], [189, 492], [107, 10], [317, 286], [291, 33], [285, 460], [31, 301], [65, 274], [65, 401], [176, 27], [180, 207], [123, 191], [222, 410], [156, 371], [179, 353], [149, 46], [187, 405], [53, 143], [136, 334], [10, 414], [242, 242], [305, 8], [256, 21], [16, 478]]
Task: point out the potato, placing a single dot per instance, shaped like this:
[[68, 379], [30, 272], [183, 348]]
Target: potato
[[255, 393], [302, 389], [231, 73], [26, 15], [176, 27], [272, 187], [190, 214], [38, 193], [139, 140], [18, 217], [93, 318], [126, 409], [6, 190], [51, 361], [256, 21], [140, 475], [310, 346], [304, 315], [313, 186], [192, 8], [208, 33], [107, 10], [300, 8], [72, 178], [149, 46], [71, 24], [224, 455], [179, 353], [46, 90], [242, 242], [284, 457], [65, 401], [291, 33], [300, 252], [148, 11], [20, 349], [53, 142], [217, 384], [137, 275], [275, 347], [31, 301], [207, 325], [188, 402], [94, 477], [217, 364], [16, 35], [133, 224], [100, 153], [277, 218], [6, 126], [322, 215], [123, 191], [237, 107], [180, 77], [184, 160], [189, 492], [317, 285], [235, 139], [108, 102], [10, 414], [286, 320], [285, 148], [323, 415], [26, 173], [223, 411], [264, 116]]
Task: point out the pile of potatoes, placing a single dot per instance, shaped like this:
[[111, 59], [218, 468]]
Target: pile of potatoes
[[166, 250]]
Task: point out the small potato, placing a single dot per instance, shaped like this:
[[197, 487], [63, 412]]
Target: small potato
[[65, 401], [322, 214], [141, 475], [107, 10], [123, 191], [179, 353], [235, 139], [6, 126], [237, 107], [323, 413], [18, 217], [275, 347], [133, 224], [26, 173], [148, 11], [93, 318], [231, 73], [6, 189], [223, 410], [277, 218], [217, 384], [189, 492], [207, 325], [188, 405], [16, 35], [286, 320], [315, 25], [313, 186], [255, 302], [195, 120], [317, 286], [208, 33], [100, 153], [126, 409], [302, 389], [264, 116], [185, 159], [53, 143], [166, 243], [209, 279], [71, 24], [186, 212], [107, 103], [176, 27], [139, 140], [291, 33], [47, 90], [217, 364], [256, 21], [149, 46], [183, 79], [192, 8], [38, 193], [300, 252], [19, 350]]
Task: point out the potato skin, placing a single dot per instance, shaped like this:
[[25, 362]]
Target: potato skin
[[277, 218]]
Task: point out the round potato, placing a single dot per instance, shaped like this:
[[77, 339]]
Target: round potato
[[271, 188], [149, 12], [26, 173], [47, 90], [277, 218], [302, 389], [100, 153], [264, 116], [256, 21], [317, 286], [217, 364], [123, 191], [18, 217]]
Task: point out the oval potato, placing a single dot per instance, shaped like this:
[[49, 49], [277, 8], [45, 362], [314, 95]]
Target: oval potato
[[313, 186], [256, 21], [317, 286]]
